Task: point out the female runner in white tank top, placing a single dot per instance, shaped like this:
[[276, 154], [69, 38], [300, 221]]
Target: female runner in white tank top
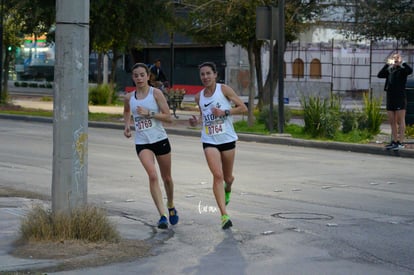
[[149, 109], [217, 134]]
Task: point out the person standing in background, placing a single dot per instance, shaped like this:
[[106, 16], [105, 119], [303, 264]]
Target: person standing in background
[[149, 109], [395, 73], [158, 73], [218, 135]]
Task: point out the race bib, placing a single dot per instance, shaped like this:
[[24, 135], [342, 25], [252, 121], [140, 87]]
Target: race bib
[[142, 124], [215, 127]]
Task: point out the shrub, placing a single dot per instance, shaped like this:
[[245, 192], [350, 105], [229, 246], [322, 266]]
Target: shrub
[[372, 117], [263, 116], [87, 223], [17, 84], [409, 131], [321, 116], [102, 95], [25, 84], [349, 121]]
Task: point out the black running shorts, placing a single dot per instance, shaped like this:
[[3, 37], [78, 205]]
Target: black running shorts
[[159, 148], [221, 147]]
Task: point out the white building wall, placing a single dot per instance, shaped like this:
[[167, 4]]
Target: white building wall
[[237, 69]]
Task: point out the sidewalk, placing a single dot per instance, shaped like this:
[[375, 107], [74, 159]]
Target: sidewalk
[[13, 209]]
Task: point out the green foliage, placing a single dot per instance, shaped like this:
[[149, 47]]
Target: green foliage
[[46, 99], [297, 131], [409, 131], [321, 116], [354, 136], [216, 22], [264, 114], [349, 121], [369, 119], [119, 26], [241, 126], [372, 117], [86, 223], [25, 84], [376, 20], [102, 95]]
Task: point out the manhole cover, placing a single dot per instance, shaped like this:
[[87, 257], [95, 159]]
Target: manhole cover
[[302, 216]]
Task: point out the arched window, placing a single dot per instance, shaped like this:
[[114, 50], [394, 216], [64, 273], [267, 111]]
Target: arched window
[[315, 69], [298, 68]]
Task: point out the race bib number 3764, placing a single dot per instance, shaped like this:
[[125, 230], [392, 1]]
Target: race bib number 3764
[[214, 129]]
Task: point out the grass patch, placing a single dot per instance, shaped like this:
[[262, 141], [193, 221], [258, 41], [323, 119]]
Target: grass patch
[[43, 113], [258, 128], [297, 131], [46, 99], [28, 112], [103, 117]]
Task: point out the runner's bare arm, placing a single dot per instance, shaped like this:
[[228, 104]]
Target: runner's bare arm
[[127, 116]]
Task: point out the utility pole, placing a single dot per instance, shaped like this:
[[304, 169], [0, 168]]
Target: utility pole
[[70, 109], [1, 49], [280, 58]]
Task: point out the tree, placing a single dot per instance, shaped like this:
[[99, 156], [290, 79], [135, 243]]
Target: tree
[[234, 21], [378, 20], [22, 17], [37, 17], [115, 25], [120, 25], [11, 28]]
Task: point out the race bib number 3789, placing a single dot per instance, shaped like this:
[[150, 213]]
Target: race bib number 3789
[[143, 124]]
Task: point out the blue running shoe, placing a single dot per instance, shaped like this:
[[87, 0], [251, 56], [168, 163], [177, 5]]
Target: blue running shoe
[[173, 215], [163, 223]]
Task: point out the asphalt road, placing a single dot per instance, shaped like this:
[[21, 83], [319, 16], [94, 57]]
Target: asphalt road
[[295, 210]]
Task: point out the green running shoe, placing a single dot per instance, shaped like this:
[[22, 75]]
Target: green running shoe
[[226, 194], [226, 222]]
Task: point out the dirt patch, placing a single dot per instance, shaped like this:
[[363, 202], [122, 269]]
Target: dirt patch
[[10, 192], [10, 107]]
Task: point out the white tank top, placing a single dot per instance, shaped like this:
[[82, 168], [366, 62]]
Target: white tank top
[[216, 130], [147, 130]]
